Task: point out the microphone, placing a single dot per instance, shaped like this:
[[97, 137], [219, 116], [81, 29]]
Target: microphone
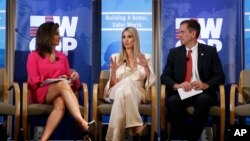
[[57, 58], [22, 35]]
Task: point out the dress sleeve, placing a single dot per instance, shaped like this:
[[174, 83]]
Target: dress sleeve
[[34, 78], [151, 79]]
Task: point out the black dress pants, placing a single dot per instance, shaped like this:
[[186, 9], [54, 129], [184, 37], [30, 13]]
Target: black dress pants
[[183, 128]]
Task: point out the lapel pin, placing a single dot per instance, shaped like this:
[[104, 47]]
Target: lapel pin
[[202, 54]]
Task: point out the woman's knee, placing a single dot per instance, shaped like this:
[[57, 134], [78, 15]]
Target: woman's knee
[[59, 104], [63, 86]]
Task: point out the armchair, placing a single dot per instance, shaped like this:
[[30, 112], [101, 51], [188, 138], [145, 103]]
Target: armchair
[[45, 109], [100, 109], [240, 106], [7, 108]]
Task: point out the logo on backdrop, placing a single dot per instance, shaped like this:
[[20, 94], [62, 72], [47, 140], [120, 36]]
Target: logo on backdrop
[[67, 29], [210, 31]]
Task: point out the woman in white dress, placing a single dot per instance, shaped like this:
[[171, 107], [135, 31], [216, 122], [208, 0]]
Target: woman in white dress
[[131, 75]]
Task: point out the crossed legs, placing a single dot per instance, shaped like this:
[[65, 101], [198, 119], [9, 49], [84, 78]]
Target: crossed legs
[[62, 97]]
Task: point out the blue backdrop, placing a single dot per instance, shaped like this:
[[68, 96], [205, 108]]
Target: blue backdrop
[[220, 27], [2, 31], [118, 14], [2, 36], [247, 33], [75, 20]]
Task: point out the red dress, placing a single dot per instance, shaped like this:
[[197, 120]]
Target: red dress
[[40, 69]]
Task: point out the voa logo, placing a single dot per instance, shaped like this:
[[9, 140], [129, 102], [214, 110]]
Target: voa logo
[[210, 31], [67, 29]]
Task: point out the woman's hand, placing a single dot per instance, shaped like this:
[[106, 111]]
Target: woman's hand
[[74, 76], [142, 60], [114, 65]]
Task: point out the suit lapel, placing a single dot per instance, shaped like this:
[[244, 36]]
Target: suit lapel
[[200, 57]]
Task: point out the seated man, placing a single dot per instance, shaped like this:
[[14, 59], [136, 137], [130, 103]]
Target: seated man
[[191, 66]]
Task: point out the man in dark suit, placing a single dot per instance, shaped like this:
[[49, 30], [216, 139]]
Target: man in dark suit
[[191, 66]]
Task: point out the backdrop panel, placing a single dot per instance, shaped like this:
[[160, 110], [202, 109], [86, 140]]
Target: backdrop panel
[[220, 27], [2, 31], [247, 33], [75, 20], [118, 14]]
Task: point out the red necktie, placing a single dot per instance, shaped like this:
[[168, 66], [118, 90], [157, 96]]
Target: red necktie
[[189, 67]]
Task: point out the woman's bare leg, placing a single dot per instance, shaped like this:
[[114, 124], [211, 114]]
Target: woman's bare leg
[[62, 89], [54, 118]]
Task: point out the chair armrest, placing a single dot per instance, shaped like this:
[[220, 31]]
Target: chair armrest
[[86, 101], [222, 110], [25, 107], [25, 98], [95, 101], [163, 111], [17, 98], [153, 106], [153, 98], [232, 102], [222, 97]]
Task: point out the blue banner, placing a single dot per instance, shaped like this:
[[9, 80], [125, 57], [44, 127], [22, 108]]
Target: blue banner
[[116, 15], [75, 27], [220, 27], [247, 33], [2, 31], [2, 37]]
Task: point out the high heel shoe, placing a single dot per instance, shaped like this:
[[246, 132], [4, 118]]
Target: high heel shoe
[[92, 126], [86, 138], [87, 133]]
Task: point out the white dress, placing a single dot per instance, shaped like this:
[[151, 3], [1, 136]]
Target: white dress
[[127, 93]]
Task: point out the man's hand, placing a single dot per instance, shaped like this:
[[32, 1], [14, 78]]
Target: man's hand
[[185, 85], [198, 85]]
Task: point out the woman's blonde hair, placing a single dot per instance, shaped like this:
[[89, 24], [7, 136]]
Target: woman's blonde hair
[[136, 48]]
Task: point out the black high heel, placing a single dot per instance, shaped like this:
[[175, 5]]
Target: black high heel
[[87, 133], [86, 138], [92, 126]]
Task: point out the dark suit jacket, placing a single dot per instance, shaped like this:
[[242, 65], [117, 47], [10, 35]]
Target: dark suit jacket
[[209, 68]]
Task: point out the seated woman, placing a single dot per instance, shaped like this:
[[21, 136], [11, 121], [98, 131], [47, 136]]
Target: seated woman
[[46, 63], [131, 75]]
